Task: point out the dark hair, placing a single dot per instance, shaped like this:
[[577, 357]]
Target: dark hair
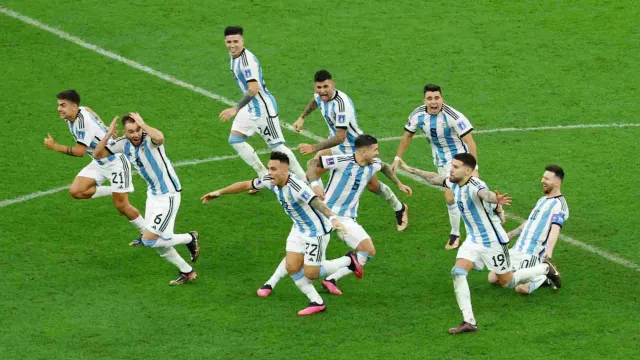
[[467, 159], [557, 170], [321, 75], [70, 95], [432, 87], [365, 140], [233, 30], [127, 119], [280, 156]]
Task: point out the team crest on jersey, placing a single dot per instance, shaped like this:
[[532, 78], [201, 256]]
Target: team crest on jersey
[[340, 119], [330, 161], [247, 73], [305, 196], [558, 219], [462, 126], [81, 134]]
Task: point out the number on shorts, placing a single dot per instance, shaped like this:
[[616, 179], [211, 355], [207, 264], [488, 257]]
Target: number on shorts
[[158, 219], [314, 248], [499, 258], [114, 180]]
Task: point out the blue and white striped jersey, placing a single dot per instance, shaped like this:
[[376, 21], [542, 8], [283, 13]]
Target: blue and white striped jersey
[[339, 112], [295, 198], [88, 131], [246, 68], [534, 236], [347, 181], [152, 163], [480, 220], [444, 131]]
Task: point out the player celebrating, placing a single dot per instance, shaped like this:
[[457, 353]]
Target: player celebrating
[[486, 241], [87, 130], [539, 234], [144, 146], [349, 176], [449, 133], [340, 115], [309, 236], [256, 110]]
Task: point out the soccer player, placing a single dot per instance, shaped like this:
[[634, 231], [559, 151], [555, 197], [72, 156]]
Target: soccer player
[[309, 236], [449, 133], [144, 146], [349, 176], [486, 241], [539, 234], [87, 130], [338, 111], [257, 110]]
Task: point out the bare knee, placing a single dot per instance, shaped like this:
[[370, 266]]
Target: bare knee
[[522, 289], [312, 272], [77, 192], [292, 268], [492, 278], [366, 246]]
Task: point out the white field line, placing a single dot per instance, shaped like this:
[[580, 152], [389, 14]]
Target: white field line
[[539, 128], [310, 135]]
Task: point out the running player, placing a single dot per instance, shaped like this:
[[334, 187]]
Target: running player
[[87, 130], [339, 113], [539, 234], [486, 242], [257, 110], [349, 176], [144, 146], [449, 133], [309, 236]]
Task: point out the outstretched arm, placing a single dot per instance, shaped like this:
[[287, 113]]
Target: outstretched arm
[[78, 150], [407, 137], [317, 204], [235, 188], [391, 175], [494, 197], [338, 139], [431, 177]]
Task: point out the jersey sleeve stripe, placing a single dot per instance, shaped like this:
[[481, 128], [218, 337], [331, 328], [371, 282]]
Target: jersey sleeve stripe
[[466, 133], [450, 111], [243, 58], [340, 102], [419, 109]]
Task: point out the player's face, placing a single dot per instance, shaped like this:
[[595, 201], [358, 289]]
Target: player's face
[[133, 132], [67, 109], [549, 182], [433, 101], [370, 152], [458, 171], [279, 172], [235, 44], [325, 89]]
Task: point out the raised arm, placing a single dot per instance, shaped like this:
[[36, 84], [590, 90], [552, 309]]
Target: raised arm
[[471, 145], [431, 177], [494, 197], [235, 188], [101, 150], [156, 135], [407, 137], [338, 139]]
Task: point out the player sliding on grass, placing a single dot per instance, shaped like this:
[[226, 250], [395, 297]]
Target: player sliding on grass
[[539, 234], [144, 146], [339, 112], [486, 242], [87, 130], [257, 110], [309, 236], [348, 179]]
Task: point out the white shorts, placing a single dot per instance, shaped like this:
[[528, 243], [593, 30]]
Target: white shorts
[[118, 172], [160, 213], [268, 127], [313, 248], [495, 258], [520, 260], [444, 170], [355, 232]]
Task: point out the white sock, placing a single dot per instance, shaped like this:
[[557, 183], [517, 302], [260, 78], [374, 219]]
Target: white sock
[[525, 275], [535, 283], [248, 154], [101, 191], [173, 257], [454, 219], [281, 271], [307, 288], [294, 165], [177, 239], [342, 272], [388, 196], [329, 267], [463, 294], [138, 223]]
